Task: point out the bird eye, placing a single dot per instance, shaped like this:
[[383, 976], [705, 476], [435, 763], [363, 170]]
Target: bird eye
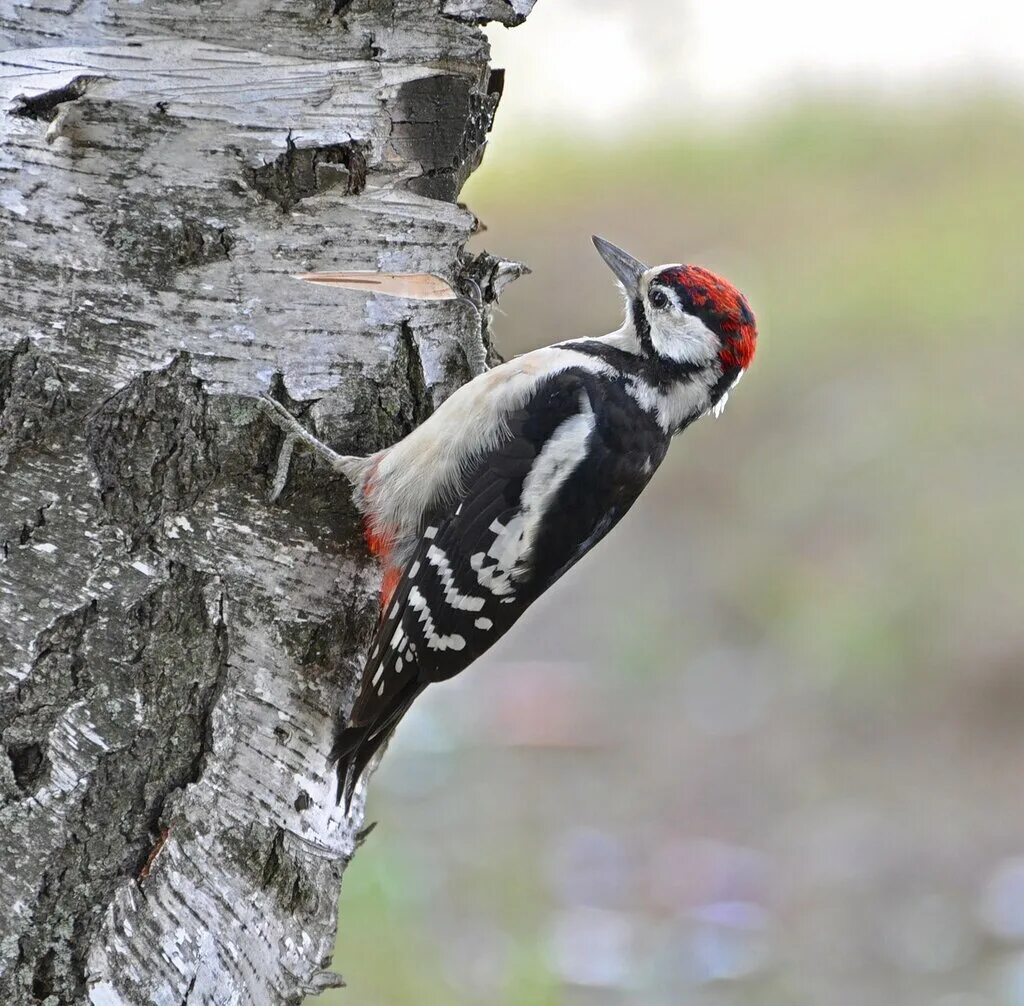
[[658, 299]]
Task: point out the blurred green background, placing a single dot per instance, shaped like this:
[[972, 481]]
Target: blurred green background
[[765, 745]]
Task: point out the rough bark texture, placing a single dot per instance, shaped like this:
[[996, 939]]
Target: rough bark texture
[[172, 649]]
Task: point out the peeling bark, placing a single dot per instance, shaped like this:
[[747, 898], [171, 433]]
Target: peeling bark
[[173, 650]]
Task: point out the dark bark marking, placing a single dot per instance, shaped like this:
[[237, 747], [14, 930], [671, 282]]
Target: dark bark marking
[[44, 106], [154, 249], [28, 764], [441, 121], [272, 864], [394, 403], [109, 662], [32, 395], [301, 172], [27, 533], [321, 648], [496, 82], [195, 242], [43, 977], [154, 448], [156, 233], [55, 684], [161, 841], [419, 402], [262, 854]]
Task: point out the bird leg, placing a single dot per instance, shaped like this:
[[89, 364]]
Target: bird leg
[[294, 433]]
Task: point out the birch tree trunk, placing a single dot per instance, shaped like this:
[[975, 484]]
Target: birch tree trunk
[[173, 650]]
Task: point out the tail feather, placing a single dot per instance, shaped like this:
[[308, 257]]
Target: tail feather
[[349, 749], [360, 759], [356, 745]]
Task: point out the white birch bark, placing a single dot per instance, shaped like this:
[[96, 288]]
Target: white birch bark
[[173, 650]]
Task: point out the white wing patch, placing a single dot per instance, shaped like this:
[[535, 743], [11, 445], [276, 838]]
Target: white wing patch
[[563, 452], [396, 639], [514, 541], [435, 641], [464, 602], [505, 550]]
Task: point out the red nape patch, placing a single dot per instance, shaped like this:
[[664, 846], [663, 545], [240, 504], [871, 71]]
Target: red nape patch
[[738, 349], [721, 306]]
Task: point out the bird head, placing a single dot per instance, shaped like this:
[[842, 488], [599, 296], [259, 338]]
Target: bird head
[[686, 318]]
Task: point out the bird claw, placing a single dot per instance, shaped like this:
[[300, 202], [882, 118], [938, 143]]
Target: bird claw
[[278, 414], [473, 292], [294, 433], [284, 461]]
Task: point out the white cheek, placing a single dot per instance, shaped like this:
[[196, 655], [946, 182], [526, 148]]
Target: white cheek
[[685, 339]]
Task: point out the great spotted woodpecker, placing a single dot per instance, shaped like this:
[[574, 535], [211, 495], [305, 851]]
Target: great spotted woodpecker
[[519, 473]]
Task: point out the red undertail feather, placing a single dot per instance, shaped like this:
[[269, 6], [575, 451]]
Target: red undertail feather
[[392, 577], [381, 544]]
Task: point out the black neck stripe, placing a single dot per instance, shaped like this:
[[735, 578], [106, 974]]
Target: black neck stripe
[[655, 370], [642, 327], [724, 383]]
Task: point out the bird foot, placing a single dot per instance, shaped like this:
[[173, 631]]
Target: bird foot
[[295, 433]]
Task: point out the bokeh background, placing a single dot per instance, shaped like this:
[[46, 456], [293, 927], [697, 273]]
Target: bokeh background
[[766, 744]]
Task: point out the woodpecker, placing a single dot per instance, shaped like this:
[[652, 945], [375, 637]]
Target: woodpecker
[[520, 473]]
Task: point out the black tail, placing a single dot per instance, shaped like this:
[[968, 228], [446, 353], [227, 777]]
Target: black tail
[[353, 751], [357, 744]]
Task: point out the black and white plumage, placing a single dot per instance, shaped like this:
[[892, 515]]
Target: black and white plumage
[[518, 474]]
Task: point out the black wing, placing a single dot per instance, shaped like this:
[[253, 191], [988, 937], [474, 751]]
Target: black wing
[[533, 506]]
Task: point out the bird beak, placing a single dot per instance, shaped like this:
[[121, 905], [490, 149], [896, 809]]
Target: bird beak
[[627, 269]]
